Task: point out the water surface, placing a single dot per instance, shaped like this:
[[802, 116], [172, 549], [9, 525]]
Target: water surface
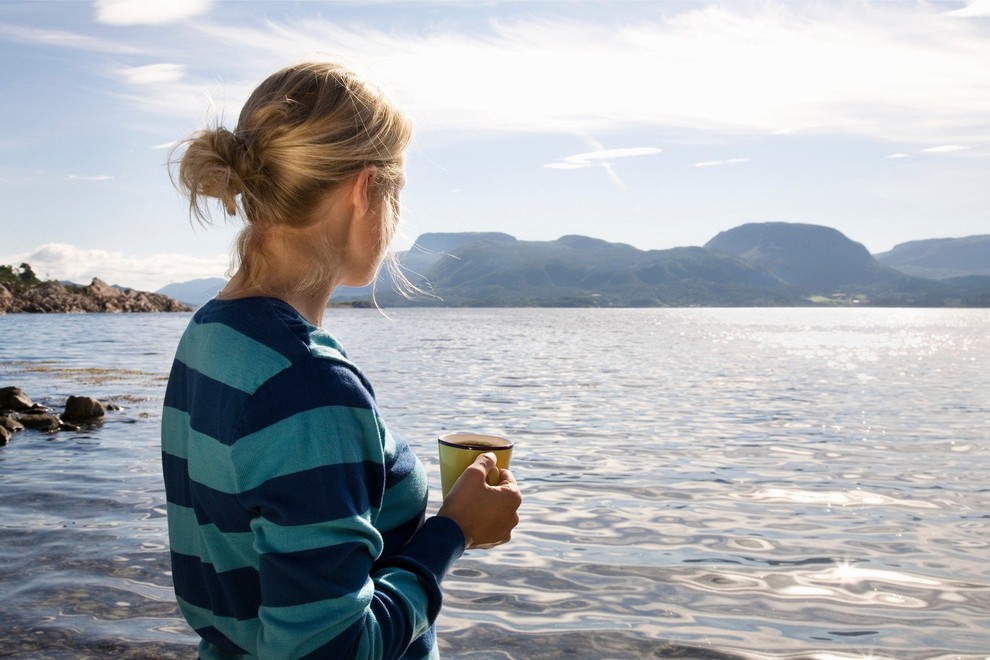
[[703, 483]]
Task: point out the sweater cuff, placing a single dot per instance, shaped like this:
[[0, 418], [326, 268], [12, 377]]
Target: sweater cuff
[[437, 544]]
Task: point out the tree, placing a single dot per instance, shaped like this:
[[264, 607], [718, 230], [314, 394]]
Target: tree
[[27, 275]]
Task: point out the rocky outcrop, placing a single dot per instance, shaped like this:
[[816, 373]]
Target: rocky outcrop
[[18, 412], [99, 296]]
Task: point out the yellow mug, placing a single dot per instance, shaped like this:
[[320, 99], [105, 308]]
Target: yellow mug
[[459, 450]]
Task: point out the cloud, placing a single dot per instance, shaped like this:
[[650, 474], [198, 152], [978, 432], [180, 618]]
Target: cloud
[[894, 71], [151, 74], [944, 149], [590, 158], [603, 158], [716, 163], [973, 9], [96, 177], [61, 261], [148, 12], [899, 155], [906, 72], [63, 39]]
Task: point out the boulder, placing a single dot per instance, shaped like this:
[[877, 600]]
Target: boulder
[[42, 421], [80, 408], [13, 398], [9, 423], [6, 299], [4, 436]]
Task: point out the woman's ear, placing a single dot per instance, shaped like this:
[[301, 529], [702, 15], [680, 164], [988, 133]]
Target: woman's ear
[[361, 190]]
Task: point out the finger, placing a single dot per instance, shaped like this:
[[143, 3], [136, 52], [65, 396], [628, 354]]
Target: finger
[[506, 478]]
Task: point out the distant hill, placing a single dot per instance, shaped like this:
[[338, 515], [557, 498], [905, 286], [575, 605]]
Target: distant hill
[[941, 258], [581, 271], [194, 292], [759, 264], [811, 257]]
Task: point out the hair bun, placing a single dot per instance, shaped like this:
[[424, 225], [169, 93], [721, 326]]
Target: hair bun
[[216, 163]]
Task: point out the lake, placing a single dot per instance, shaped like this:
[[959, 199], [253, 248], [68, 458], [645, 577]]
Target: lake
[[698, 483]]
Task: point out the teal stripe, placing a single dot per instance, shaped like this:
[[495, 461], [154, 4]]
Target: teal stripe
[[329, 353], [175, 430], [285, 627], [409, 590], [210, 463], [317, 437], [371, 640], [270, 537], [226, 551], [208, 347], [243, 633], [403, 500]]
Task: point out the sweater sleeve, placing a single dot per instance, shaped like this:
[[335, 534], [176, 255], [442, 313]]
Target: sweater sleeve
[[314, 480]]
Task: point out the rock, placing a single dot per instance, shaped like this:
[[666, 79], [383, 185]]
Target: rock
[[82, 408], [9, 423], [6, 299], [4, 436], [13, 398], [99, 296], [40, 421]]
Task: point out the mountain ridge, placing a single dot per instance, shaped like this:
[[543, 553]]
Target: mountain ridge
[[755, 264]]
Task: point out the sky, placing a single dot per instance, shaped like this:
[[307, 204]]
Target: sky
[[657, 124]]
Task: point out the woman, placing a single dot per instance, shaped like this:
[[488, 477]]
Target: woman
[[296, 521]]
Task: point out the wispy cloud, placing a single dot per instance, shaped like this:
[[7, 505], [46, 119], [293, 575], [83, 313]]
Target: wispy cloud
[[62, 261], [91, 177], [590, 158], [716, 163], [603, 158], [906, 72], [148, 12], [63, 39], [973, 9], [742, 68], [151, 74], [943, 149]]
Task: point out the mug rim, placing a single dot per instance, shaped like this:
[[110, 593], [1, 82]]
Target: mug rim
[[466, 444]]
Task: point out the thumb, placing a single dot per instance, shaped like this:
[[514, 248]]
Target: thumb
[[486, 462]]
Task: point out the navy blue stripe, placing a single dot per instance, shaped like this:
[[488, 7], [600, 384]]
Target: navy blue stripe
[[308, 576], [177, 487], [329, 492], [332, 384], [210, 506], [395, 539], [402, 464], [225, 413], [300, 498], [234, 594], [213, 407]]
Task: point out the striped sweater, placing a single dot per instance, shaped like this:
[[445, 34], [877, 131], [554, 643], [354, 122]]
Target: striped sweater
[[296, 520]]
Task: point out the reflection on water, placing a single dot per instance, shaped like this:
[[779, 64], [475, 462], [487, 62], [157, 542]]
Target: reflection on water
[[699, 483]]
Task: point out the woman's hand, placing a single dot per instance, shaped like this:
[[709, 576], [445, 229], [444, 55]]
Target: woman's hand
[[486, 514]]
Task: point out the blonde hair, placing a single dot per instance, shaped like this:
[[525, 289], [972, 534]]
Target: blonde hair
[[303, 131]]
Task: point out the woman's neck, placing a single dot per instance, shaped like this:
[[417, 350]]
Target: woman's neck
[[286, 273]]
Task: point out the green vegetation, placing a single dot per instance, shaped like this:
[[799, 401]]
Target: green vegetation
[[18, 278]]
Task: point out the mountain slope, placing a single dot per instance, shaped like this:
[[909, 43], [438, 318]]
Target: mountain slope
[[194, 292], [941, 258], [812, 257]]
